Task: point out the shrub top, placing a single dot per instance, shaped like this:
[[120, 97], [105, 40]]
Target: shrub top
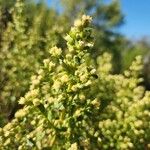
[[74, 103]]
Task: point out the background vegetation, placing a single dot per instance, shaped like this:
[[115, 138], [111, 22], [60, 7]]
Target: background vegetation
[[30, 29]]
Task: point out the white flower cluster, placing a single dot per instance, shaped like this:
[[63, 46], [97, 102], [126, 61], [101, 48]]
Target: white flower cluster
[[55, 51]]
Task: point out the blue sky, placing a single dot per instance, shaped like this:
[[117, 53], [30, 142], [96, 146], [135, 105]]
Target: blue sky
[[137, 17]]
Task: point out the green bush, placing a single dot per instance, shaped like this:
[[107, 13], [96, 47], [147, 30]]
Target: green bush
[[29, 28], [24, 43], [74, 102]]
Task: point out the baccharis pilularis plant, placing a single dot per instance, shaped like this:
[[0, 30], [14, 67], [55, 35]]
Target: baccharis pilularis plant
[[24, 43], [74, 103]]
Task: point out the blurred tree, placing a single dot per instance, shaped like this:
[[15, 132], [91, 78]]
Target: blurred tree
[[147, 70], [4, 14]]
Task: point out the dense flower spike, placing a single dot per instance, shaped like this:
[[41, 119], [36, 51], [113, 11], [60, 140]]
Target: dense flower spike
[[73, 104]]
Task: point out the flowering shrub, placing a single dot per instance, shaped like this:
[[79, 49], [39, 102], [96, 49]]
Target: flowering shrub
[[74, 103], [23, 45]]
